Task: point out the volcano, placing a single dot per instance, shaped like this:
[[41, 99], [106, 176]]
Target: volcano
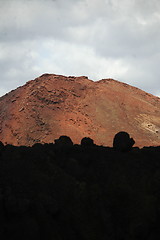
[[54, 105]]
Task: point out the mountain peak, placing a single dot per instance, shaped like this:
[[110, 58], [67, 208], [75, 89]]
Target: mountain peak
[[54, 105]]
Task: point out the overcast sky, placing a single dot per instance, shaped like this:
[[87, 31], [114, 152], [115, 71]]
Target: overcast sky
[[117, 39]]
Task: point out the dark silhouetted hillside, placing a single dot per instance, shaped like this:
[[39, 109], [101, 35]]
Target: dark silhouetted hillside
[[63, 191]]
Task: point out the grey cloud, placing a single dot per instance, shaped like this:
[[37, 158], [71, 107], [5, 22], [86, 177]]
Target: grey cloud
[[100, 38], [34, 19]]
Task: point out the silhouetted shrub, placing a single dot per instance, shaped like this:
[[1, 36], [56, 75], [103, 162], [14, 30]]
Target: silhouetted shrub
[[1, 145], [122, 142], [86, 141], [63, 141]]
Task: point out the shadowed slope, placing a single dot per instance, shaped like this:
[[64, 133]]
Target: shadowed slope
[[54, 105], [64, 191]]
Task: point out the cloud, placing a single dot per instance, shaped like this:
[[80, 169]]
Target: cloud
[[98, 38]]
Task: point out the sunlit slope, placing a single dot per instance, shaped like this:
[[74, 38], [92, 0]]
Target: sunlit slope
[[54, 105]]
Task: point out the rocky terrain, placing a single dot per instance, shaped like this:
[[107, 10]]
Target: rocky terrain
[[54, 105]]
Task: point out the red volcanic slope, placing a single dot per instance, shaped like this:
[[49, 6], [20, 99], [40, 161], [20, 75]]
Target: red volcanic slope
[[54, 105]]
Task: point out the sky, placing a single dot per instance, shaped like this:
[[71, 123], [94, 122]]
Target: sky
[[117, 39]]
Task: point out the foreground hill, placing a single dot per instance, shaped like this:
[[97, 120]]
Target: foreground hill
[[54, 105], [79, 192]]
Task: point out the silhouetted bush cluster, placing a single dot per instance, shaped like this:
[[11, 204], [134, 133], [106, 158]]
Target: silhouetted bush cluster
[[122, 142], [64, 191]]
